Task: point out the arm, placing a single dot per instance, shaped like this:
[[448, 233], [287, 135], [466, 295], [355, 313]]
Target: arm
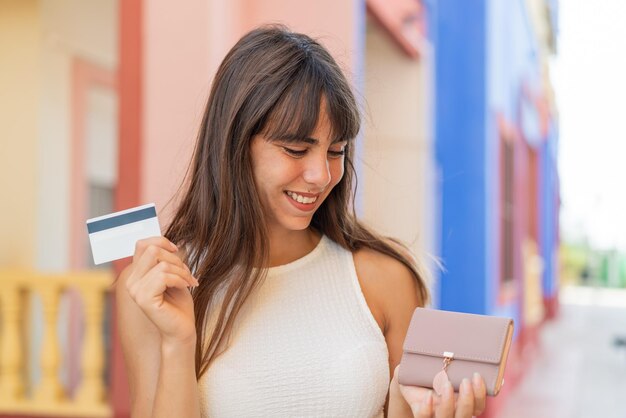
[[391, 292], [140, 341], [177, 387], [158, 332]]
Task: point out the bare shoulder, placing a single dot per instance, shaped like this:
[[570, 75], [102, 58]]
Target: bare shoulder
[[389, 287], [392, 293], [383, 270]]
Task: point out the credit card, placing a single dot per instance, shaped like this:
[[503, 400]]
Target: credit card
[[114, 236]]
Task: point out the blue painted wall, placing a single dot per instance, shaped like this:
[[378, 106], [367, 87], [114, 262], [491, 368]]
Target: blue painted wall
[[485, 51], [549, 210], [460, 33], [512, 60]]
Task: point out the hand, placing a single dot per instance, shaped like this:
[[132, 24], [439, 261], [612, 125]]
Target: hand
[[426, 403], [158, 283]]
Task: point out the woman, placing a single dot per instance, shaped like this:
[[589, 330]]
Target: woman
[[296, 309]]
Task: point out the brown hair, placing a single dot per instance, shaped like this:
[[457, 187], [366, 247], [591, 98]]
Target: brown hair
[[272, 82]]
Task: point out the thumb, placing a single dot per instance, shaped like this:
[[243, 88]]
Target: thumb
[[419, 399]]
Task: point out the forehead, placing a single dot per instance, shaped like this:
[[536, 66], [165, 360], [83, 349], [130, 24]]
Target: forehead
[[305, 123]]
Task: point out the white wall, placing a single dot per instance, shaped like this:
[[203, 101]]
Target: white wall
[[398, 161], [69, 28]]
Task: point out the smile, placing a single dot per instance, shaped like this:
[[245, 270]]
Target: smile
[[301, 199]]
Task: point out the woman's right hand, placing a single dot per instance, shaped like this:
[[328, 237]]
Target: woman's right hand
[[158, 283]]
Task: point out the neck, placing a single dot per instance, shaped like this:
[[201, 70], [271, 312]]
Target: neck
[[287, 246]]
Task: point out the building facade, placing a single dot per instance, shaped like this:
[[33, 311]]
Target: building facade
[[457, 157], [496, 141]]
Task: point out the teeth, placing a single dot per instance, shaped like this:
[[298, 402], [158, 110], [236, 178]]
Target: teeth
[[302, 199]]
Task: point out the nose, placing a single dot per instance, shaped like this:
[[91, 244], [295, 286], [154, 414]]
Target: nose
[[317, 171]]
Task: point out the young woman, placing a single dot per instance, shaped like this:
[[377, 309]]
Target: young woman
[[295, 308]]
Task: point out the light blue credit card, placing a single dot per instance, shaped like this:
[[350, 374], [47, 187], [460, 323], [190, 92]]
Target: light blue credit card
[[114, 236]]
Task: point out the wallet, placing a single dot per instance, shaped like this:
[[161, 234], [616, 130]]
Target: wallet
[[457, 343]]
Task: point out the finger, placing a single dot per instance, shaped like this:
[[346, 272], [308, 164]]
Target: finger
[[426, 407], [423, 408], [445, 409], [135, 287], [147, 252], [480, 394], [150, 257], [162, 242], [465, 402], [180, 270], [395, 373], [152, 289], [394, 386], [414, 394]]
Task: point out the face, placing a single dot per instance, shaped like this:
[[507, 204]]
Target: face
[[294, 178]]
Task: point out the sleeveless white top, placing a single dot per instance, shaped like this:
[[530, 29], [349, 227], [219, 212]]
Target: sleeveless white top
[[305, 344]]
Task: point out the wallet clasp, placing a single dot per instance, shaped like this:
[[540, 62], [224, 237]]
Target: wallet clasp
[[447, 359]]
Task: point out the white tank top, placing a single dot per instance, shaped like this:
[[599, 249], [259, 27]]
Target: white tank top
[[305, 344]]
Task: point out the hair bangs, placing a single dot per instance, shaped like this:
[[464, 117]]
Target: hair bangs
[[298, 110], [343, 114]]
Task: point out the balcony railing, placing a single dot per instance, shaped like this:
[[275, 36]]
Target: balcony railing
[[48, 396]]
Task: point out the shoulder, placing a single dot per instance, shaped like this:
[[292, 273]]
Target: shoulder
[[382, 270], [392, 293], [390, 288]]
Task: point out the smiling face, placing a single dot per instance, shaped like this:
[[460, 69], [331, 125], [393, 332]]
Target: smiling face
[[293, 176]]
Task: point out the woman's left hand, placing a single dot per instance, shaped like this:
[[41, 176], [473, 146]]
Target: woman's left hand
[[426, 403]]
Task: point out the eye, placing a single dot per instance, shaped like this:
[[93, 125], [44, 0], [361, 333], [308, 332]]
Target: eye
[[337, 154], [337, 150], [294, 152]]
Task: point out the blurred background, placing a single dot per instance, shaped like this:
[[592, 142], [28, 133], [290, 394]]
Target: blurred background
[[492, 145]]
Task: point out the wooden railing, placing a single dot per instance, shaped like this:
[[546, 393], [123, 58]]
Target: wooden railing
[[48, 397]]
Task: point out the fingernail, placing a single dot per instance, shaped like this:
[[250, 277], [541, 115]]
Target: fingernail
[[196, 281], [476, 380], [447, 390], [174, 246], [466, 387]]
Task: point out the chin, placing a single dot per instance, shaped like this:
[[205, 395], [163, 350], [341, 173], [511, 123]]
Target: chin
[[296, 224]]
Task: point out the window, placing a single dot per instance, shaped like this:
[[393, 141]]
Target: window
[[507, 206]]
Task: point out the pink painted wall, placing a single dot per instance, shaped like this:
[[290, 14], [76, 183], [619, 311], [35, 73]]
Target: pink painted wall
[[175, 84], [173, 51], [182, 48], [337, 24]]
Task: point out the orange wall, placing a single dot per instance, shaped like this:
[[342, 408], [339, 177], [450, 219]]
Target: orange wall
[[19, 121]]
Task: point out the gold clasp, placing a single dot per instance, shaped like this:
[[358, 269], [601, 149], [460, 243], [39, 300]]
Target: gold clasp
[[447, 359]]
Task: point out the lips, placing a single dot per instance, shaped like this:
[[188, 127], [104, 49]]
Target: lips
[[303, 198]]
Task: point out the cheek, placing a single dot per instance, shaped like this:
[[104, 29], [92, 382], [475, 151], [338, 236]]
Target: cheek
[[264, 165], [265, 179], [336, 171], [273, 173]]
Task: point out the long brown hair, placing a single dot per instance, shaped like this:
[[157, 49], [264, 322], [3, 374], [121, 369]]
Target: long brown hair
[[272, 82]]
